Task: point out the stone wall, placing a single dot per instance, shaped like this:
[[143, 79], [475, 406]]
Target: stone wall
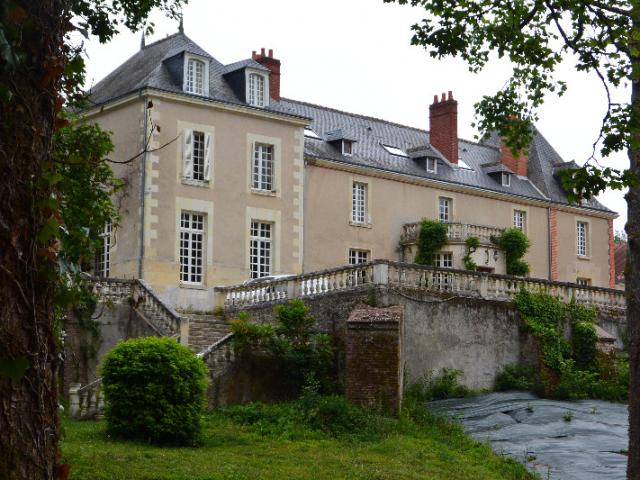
[[84, 348]]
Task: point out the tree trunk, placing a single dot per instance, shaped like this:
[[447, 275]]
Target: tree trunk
[[632, 281], [29, 426]]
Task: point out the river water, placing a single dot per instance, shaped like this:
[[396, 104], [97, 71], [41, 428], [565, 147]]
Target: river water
[[561, 440]]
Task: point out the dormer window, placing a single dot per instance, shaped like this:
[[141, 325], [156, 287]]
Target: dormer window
[[347, 147], [196, 76], [432, 165], [257, 90], [506, 179]]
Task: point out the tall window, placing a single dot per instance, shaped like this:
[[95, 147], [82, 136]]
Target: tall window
[[359, 202], [196, 152], [519, 219], [260, 249], [195, 77], [263, 167], [256, 90], [582, 234], [440, 280], [445, 209], [191, 247], [103, 254], [198, 155]]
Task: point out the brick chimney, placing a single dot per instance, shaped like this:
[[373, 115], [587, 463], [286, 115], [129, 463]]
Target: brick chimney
[[273, 64], [443, 120], [519, 164]]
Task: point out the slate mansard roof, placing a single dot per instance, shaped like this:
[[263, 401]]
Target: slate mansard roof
[[148, 69]]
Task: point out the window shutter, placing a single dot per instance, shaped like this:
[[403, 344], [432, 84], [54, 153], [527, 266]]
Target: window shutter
[[187, 155], [207, 156]]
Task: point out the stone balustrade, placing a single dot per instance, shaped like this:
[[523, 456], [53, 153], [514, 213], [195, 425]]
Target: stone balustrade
[[301, 286], [86, 401], [456, 232], [412, 276]]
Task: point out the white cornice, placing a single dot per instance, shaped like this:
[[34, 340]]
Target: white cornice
[[206, 102]]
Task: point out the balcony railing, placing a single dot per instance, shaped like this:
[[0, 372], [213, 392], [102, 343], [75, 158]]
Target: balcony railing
[[456, 232], [462, 283]]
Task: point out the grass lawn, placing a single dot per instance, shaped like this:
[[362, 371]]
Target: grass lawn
[[232, 449]]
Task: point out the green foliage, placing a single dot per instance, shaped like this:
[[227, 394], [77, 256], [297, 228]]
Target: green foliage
[[305, 353], [431, 238], [515, 244], [516, 377], [441, 386], [534, 41], [572, 369], [472, 244], [154, 390]]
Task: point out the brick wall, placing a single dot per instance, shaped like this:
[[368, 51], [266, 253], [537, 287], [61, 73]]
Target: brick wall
[[443, 126], [518, 164], [373, 375]]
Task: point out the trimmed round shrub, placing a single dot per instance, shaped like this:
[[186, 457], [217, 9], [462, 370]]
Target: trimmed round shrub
[[154, 391]]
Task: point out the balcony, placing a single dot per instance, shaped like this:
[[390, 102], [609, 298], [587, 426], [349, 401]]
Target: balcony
[[456, 233]]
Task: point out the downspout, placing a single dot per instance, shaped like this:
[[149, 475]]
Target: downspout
[[143, 181], [549, 246]]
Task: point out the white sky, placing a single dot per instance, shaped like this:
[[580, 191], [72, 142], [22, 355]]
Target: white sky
[[356, 56]]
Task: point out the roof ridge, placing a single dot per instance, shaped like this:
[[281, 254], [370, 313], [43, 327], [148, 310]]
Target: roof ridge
[[377, 119], [359, 115], [164, 39]]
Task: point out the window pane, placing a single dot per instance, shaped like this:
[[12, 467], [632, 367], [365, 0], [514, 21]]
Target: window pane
[[191, 247], [260, 247], [359, 203]]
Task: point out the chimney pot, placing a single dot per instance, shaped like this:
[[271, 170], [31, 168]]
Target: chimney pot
[[254, 54], [450, 95], [262, 52], [271, 53], [435, 99], [273, 64], [444, 97]]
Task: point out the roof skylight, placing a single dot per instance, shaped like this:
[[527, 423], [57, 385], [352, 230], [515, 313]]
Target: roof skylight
[[310, 133], [395, 150], [463, 164]]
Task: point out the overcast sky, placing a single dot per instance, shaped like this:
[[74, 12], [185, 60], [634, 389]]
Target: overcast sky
[[356, 56]]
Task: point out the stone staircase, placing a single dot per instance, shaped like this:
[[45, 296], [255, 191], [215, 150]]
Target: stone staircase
[[205, 330]]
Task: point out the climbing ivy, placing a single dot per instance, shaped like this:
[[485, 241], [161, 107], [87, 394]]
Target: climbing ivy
[[431, 238], [472, 244], [515, 244], [570, 368]]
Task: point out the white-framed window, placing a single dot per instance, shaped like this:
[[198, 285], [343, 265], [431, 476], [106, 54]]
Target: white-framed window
[[102, 265], [445, 209], [506, 179], [191, 247], [519, 220], [347, 147], [196, 156], [582, 238], [260, 248], [359, 202], [256, 90], [432, 165], [262, 176], [358, 256], [195, 80], [583, 282], [440, 280], [443, 260]]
